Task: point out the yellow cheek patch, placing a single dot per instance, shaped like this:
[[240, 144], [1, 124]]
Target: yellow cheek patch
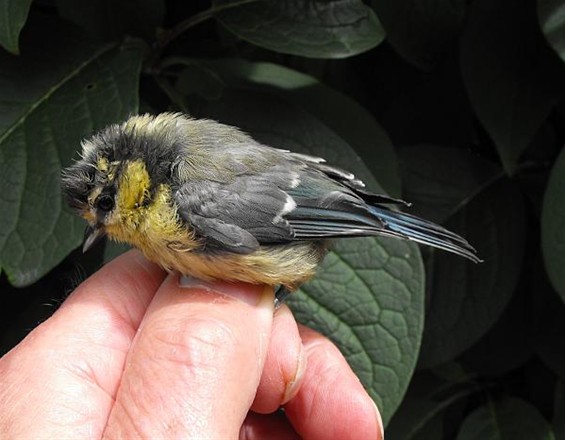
[[161, 216], [155, 228], [133, 186], [147, 220]]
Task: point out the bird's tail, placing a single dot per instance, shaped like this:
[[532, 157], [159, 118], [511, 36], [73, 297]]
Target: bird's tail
[[402, 225]]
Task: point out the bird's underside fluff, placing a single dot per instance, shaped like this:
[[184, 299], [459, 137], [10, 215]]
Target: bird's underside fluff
[[242, 210]]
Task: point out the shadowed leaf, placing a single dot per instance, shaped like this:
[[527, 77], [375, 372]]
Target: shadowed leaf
[[466, 299], [60, 89], [512, 77], [553, 226], [309, 28], [421, 30], [551, 15], [508, 419], [110, 19], [13, 16]]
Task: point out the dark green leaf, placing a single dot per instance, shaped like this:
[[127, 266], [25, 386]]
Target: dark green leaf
[[201, 81], [346, 117], [438, 181], [420, 415], [538, 158], [551, 15], [508, 344], [421, 31], [512, 77], [59, 90], [509, 419], [421, 107], [309, 28], [13, 15], [466, 299], [549, 322], [553, 226], [369, 295], [109, 19], [432, 430]]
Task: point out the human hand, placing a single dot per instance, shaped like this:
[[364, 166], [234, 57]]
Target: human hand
[[132, 354]]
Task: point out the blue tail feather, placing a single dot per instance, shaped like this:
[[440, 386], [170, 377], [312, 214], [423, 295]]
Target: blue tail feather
[[316, 222], [422, 231]]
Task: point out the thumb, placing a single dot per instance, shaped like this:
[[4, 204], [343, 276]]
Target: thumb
[[195, 364]]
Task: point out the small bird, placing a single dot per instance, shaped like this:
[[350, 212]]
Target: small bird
[[209, 201]]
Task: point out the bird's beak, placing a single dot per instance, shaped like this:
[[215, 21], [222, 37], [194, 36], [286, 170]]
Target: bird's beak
[[91, 236]]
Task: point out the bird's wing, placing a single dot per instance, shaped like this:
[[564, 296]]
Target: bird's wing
[[287, 197], [241, 213], [271, 196]]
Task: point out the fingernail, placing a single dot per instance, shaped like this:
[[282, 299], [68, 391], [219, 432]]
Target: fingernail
[[380, 422], [248, 293], [293, 386]]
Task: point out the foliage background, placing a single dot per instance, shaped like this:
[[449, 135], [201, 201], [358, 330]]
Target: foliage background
[[455, 105]]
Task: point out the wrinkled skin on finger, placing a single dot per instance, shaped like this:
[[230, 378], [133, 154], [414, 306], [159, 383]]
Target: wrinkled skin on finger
[[134, 352]]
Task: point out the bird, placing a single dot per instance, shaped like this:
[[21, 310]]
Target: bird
[[209, 201]]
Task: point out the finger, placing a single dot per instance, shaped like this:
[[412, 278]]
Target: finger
[[272, 426], [196, 362], [284, 366], [64, 374], [331, 402]]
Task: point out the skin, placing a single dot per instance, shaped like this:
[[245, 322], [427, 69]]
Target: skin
[[133, 354]]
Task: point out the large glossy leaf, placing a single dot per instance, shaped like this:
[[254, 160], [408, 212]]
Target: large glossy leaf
[[13, 15], [551, 15], [59, 90], [553, 226], [368, 299], [107, 19], [421, 30], [343, 115], [369, 295], [310, 28], [466, 299], [513, 79], [509, 419]]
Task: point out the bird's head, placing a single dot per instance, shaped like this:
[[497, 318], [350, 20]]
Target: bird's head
[[115, 180], [110, 195]]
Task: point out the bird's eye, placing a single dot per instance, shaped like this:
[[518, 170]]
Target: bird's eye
[[105, 203]]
